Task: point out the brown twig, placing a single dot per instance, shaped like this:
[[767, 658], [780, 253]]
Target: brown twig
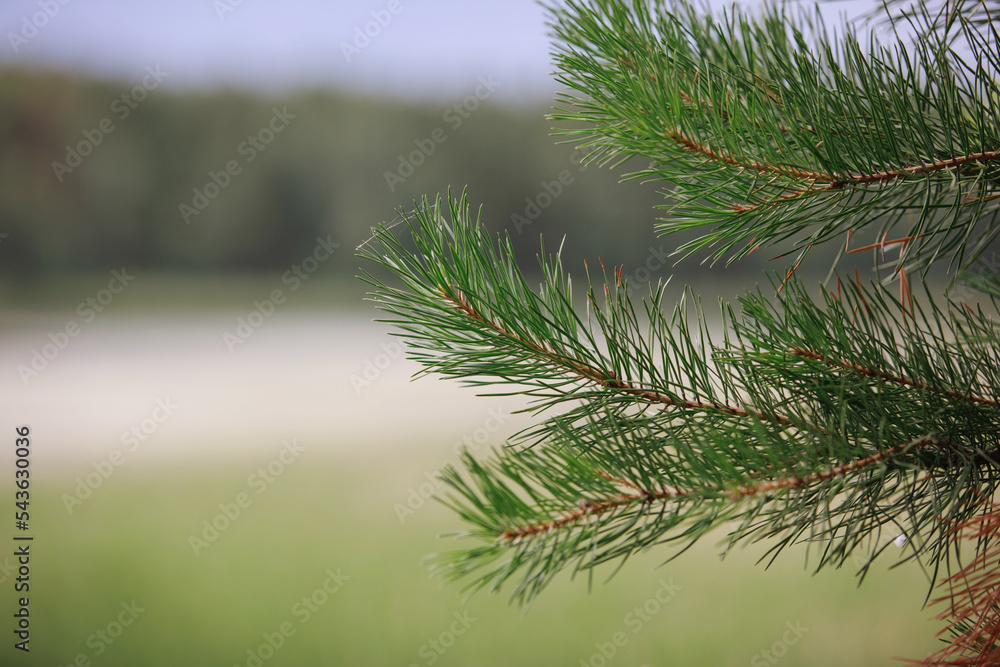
[[609, 379], [890, 377], [838, 471], [647, 496], [678, 137], [591, 508], [619, 480], [832, 181], [923, 168], [883, 244]]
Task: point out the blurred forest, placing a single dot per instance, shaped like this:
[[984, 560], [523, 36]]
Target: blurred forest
[[100, 174]]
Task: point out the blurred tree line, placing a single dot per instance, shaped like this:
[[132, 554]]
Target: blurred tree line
[[98, 174]]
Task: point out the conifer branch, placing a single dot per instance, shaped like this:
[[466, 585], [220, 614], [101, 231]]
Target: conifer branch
[[833, 181], [885, 131], [819, 419], [613, 470], [589, 509], [837, 182], [604, 378], [765, 486], [678, 137], [751, 488], [889, 377], [917, 170]]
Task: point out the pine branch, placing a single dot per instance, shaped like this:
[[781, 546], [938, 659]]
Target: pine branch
[[888, 377], [750, 488], [605, 378], [588, 520], [802, 419], [482, 325], [833, 181], [758, 487], [761, 139], [982, 157], [750, 164], [787, 444]]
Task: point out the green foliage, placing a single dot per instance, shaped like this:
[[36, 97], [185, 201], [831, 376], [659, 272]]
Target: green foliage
[[845, 421], [770, 128], [809, 422]]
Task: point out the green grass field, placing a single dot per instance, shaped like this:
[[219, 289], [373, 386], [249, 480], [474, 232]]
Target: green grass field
[[130, 541]]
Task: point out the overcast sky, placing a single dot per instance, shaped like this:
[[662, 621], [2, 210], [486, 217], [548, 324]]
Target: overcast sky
[[427, 48]]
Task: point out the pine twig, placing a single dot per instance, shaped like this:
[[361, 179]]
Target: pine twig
[[751, 488], [889, 377], [603, 378]]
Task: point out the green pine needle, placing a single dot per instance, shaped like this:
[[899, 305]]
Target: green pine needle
[[824, 422]]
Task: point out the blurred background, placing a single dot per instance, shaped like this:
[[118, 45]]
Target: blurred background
[[230, 465]]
